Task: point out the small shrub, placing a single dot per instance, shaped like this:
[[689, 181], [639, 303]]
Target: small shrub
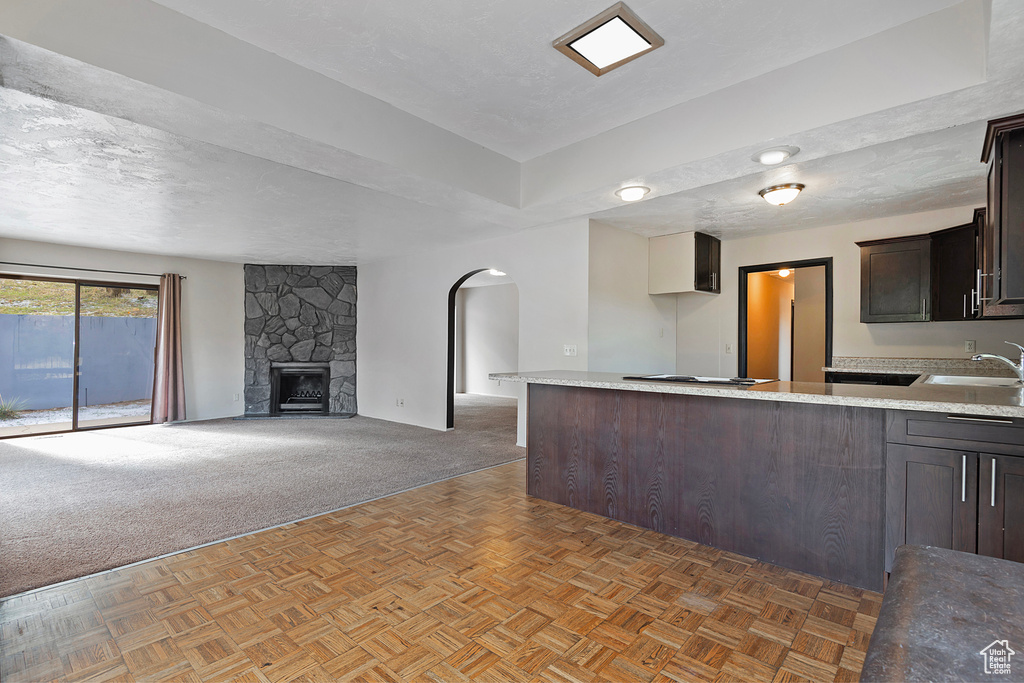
[[10, 409]]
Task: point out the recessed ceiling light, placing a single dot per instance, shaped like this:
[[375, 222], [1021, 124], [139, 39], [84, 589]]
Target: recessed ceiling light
[[781, 194], [609, 40], [774, 155], [632, 193], [495, 272]]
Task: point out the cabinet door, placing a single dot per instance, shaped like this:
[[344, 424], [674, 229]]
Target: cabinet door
[[1011, 218], [707, 263], [716, 265], [1001, 507], [895, 281], [988, 261], [954, 265], [930, 499]]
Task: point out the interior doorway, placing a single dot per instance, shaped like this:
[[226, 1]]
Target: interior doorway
[[483, 337], [75, 354], [785, 320]]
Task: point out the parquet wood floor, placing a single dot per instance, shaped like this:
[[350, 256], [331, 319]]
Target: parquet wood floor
[[467, 579]]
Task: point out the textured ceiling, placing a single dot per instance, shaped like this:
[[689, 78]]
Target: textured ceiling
[[921, 173], [74, 176], [485, 69], [108, 141]]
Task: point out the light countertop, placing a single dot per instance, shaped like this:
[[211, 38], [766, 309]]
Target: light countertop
[[964, 400], [918, 366]]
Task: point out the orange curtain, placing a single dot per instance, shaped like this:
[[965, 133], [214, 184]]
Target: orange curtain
[[169, 379]]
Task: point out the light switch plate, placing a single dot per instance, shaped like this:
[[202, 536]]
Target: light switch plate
[[569, 349]]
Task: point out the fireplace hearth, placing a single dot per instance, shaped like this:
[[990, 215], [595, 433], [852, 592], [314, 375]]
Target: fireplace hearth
[[300, 388]]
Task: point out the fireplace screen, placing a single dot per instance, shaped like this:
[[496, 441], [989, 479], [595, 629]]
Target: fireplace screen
[[300, 388]]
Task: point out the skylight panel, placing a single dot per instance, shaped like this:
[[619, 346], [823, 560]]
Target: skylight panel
[[609, 43], [609, 40]]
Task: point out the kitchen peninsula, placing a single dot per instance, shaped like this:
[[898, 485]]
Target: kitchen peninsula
[[790, 473]]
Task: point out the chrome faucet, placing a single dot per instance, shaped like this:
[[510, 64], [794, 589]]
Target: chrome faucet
[[1017, 367]]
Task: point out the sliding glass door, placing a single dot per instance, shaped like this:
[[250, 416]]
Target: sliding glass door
[[116, 338], [37, 356], [50, 327]]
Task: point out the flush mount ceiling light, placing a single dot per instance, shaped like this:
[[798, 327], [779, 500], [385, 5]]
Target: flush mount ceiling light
[[495, 272], [609, 40], [781, 194], [632, 193], [774, 155]]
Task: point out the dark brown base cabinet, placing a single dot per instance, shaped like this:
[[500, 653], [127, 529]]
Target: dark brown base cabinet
[[949, 497], [931, 499], [794, 484], [1001, 507]]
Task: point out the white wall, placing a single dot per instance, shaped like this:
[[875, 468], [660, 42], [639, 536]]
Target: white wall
[[785, 331], [212, 312], [402, 333], [707, 324], [489, 318], [630, 331]]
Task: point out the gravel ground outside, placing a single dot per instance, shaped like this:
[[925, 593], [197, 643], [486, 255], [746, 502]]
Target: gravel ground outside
[[100, 412]]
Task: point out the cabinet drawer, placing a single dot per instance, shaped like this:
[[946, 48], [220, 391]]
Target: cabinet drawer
[[1002, 435]]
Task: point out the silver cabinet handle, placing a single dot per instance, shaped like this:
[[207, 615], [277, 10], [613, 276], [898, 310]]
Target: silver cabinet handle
[[993, 482], [965, 305], [974, 301], [996, 420], [980, 297], [963, 480]]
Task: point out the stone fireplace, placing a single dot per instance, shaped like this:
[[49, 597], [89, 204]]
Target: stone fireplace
[[300, 321]]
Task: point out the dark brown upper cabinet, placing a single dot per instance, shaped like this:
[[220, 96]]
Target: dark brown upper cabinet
[[954, 272], [708, 263], [895, 280], [1002, 238]]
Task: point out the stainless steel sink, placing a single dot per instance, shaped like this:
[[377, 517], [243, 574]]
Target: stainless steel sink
[[968, 381]]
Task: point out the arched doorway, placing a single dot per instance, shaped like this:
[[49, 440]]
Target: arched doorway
[[483, 337]]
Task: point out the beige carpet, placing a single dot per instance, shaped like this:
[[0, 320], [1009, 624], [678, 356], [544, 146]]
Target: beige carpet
[[76, 504]]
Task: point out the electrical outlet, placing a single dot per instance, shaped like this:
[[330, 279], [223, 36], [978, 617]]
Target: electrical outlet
[[970, 346], [728, 348], [400, 402], [569, 349], [236, 397]]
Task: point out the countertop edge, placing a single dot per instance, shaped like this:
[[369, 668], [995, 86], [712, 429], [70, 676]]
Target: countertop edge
[[767, 395]]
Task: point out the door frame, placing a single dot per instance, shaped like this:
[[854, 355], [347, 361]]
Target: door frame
[[741, 345], [450, 397]]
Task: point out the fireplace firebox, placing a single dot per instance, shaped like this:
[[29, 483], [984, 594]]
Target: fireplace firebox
[[300, 388]]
